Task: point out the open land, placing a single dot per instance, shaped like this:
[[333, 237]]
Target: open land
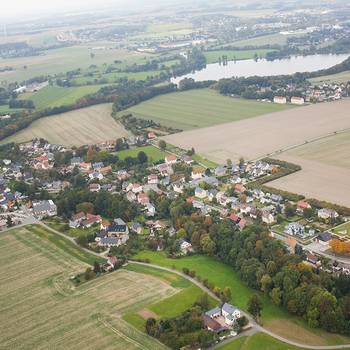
[[75, 128], [274, 318], [199, 108], [213, 56], [342, 77], [41, 309], [55, 96], [325, 170]]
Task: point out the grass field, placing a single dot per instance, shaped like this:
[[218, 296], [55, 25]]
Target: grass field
[[75, 128], [199, 108], [41, 309], [55, 96], [213, 56], [154, 154], [271, 39], [342, 77], [273, 317], [258, 341], [4, 109], [343, 229]]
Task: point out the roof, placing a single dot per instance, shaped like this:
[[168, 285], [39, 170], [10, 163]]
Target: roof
[[214, 311], [212, 324], [325, 236], [229, 308]]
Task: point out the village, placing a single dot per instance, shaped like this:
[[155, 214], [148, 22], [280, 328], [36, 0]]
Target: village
[[28, 189]]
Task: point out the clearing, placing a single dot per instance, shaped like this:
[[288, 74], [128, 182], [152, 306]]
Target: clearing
[[322, 160], [274, 318], [41, 309], [55, 96], [199, 108], [264, 135], [75, 128]]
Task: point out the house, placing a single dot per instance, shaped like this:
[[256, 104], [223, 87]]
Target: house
[[94, 187], [95, 176], [76, 219], [131, 196], [197, 173], [295, 229], [170, 159], [200, 193], [326, 213], [295, 100], [220, 171], [312, 259], [152, 179], [230, 313], [212, 325], [136, 227], [115, 234], [185, 247], [301, 205], [44, 208], [136, 188], [122, 175], [239, 188], [112, 261], [280, 99], [187, 159], [91, 220], [75, 161], [267, 218], [85, 167], [226, 315], [142, 198], [151, 210], [106, 170], [324, 238], [97, 165], [178, 187]]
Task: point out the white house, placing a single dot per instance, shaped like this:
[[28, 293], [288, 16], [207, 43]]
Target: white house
[[326, 213], [295, 100], [44, 208], [200, 193], [267, 218], [185, 247], [230, 313], [280, 99], [170, 159]]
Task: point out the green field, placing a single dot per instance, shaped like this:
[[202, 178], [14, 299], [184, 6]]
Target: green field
[[199, 108], [203, 161], [343, 77], [274, 318], [213, 56], [41, 309], [343, 229], [72, 232], [258, 341], [75, 128], [154, 154], [55, 96], [5, 109], [271, 39]]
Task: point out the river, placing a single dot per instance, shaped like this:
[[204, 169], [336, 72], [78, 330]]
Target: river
[[262, 67]]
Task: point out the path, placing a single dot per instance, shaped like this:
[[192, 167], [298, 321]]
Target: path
[[254, 325]]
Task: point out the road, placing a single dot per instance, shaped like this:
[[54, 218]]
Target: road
[[255, 327]]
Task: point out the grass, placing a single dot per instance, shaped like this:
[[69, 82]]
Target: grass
[[273, 317], [72, 232], [213, 56], [5, 109], [199, 108], [55, 96], [41, 308], [75, 128], [342, 77], [271, 39], [207, 163], [343, 229], [258, 341], [154, 154]]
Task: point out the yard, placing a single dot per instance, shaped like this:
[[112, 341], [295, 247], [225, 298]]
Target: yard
[[55, 96], [75, 128], [273, 317], [153, 153], [199, 108], [41, 309]]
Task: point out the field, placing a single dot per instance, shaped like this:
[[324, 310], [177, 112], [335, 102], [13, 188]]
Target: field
[[342, 77], [55, 96], [154, 154], [271, 39], [65, 59], [213, 56], [41, 309], [343, 229], [257, 137], [199, 109], [273, 317], [4, 109], [322, 160], [75, 128]]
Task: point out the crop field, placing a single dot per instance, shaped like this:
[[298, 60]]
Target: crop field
[[41, 309], [55, 96], [199, 108], [213, 56], [264, 135], [222, 275], [65, 59], [75, 128], [322, 160]]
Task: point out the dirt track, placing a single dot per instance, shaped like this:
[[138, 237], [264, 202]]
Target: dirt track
[[257, 137]]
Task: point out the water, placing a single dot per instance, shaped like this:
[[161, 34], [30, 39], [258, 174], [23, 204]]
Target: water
[[246, 68]]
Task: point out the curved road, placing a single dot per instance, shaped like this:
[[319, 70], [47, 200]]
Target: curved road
[[255, 326]]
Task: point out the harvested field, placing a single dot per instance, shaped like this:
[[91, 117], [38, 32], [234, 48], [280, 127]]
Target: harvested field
[[75, 128], [325, 170], [41, 309], [266, 134]]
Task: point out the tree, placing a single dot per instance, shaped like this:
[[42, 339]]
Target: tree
[[91, 153], [266, 283], [208, 245], [227, 294], [86, 207], [254, 306], [289, 210], [89, 274], [9, 221], [142, 157], [150, 326], [276, 296], [162, 145], [97, 267]]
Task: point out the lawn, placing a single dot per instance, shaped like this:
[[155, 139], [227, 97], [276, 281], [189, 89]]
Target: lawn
[[343, 229], [154, 154], [55, 96], [72, 232], [273, 317], [41, 309], [75, 128], [213, 56], [199, 108], [203, 161]]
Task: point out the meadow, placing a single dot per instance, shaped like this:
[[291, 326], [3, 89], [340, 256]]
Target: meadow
[[56, 96], [153, 153], [199, 108], [41, 309], [213, 56], [221, 275], [339, 78], [75, 128]]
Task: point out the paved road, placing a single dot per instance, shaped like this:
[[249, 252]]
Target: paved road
[[255, 326]]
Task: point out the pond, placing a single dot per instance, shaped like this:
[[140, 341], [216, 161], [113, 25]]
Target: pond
[[262, 67]]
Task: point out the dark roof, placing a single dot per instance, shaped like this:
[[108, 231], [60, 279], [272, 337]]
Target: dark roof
[[212, 324], [325, 236], [116, 228]]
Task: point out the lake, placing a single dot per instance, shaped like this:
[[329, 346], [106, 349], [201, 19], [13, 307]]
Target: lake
[[262, 67]]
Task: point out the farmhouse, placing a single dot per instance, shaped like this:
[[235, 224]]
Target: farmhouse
[[326, 213], [225, 315], [280, 99], [185, 247]]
